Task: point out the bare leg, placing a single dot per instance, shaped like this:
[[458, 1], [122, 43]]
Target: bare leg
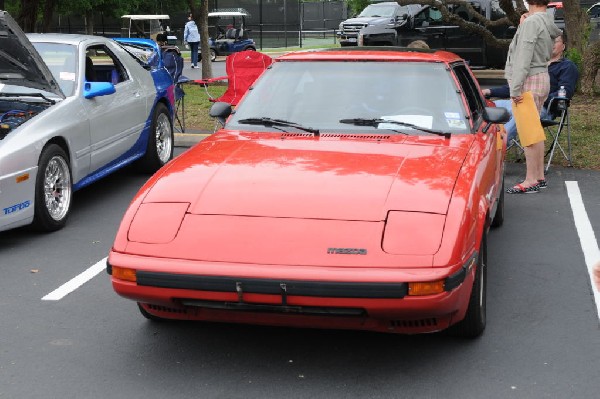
[[535, 168]]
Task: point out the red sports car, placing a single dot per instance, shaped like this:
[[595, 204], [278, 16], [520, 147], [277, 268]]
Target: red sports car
[[350, 189]]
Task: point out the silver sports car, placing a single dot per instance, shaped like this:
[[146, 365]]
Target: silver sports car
[[73, 109]]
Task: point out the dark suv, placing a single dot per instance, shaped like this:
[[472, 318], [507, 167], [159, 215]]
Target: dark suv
[[427, 25], [387, 15]]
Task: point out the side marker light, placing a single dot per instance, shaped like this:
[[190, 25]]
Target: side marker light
[[22, 178]]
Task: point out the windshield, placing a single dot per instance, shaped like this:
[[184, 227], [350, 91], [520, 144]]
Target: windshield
[[378, 11], [320, 94], [61, 59]]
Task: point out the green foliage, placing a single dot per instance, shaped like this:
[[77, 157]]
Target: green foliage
[[356, 6], [575, 55]]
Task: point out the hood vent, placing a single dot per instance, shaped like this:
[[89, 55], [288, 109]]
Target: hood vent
[[374, 137], [293, 135]]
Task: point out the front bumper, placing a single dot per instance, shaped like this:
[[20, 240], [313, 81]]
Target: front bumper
[[379, 302]]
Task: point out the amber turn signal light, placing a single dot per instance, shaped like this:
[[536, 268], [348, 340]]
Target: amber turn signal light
[[124, 274], [426, 288]]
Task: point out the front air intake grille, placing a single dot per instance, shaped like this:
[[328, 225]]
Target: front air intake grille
[[432, 322], [352, 28], [165, 309]]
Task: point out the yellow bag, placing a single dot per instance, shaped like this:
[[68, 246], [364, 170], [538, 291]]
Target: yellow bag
[[527, 118]]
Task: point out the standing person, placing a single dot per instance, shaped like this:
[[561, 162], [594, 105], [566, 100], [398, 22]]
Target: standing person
[[191, 36], [562, 71], [526, 70]]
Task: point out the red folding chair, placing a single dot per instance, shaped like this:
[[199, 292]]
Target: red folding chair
[[242, 70]]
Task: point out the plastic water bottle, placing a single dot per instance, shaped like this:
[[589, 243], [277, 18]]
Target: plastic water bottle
[[562, 95]]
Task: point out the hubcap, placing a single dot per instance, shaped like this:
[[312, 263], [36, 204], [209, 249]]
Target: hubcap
[[164, 139], [57, 188]]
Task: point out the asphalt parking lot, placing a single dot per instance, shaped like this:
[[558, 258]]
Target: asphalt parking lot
[[65, 333]]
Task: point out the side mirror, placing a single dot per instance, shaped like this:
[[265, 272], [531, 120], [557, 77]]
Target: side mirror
[[495, 115], [220, 111], [97, 89]]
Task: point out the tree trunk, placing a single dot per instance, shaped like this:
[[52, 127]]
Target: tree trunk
[[49, 6], [576, 23], [28, 15], [204, 47], [591, 66], [89, 22]]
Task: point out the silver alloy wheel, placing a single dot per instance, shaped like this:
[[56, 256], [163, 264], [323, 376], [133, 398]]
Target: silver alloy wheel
[[57, 187], [164, 138]]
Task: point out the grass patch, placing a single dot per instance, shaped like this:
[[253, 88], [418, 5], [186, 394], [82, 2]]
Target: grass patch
[[584, 111], [197, 105]]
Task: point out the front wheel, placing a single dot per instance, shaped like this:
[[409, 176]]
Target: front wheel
[[499, 216], [53, 190], [160, 142], [474, 322], [213, 55]]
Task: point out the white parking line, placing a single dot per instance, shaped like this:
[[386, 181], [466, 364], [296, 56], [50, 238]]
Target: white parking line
[[75, 282], [587, 238]]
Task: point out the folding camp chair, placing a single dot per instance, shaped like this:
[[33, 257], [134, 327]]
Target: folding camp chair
[[179, 122], [242, 69], [173, 62], [555, 128]]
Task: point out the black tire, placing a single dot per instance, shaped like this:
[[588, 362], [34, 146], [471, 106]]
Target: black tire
[[53, 190], [499, 216], [160, 141], [148, 315], [213, 55], [474, 322]]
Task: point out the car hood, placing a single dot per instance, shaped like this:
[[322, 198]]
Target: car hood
[[314, 179], [368, 20], [20, 63]]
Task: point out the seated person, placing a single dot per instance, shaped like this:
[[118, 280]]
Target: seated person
[[562, 71], [230, 33]]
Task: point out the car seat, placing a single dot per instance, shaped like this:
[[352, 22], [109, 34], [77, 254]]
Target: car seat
[[90, 73]]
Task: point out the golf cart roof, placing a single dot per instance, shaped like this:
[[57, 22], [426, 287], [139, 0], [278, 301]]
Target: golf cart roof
[[227, 14], [149, 16]]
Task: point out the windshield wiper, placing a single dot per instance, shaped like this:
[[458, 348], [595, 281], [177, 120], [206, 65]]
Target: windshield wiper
[[376, 121], [277, 122], [51, 101]]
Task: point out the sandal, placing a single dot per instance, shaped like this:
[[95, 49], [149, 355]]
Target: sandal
[[542, 183], [520, 189]]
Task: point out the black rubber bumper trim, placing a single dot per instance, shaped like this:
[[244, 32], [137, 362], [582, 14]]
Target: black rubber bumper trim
[[458, 278], [267, 286]]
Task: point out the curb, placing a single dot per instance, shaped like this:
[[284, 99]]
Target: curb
[[190, 137]]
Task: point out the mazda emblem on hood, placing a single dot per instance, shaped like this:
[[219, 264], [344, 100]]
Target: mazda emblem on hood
[[347, 251]]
